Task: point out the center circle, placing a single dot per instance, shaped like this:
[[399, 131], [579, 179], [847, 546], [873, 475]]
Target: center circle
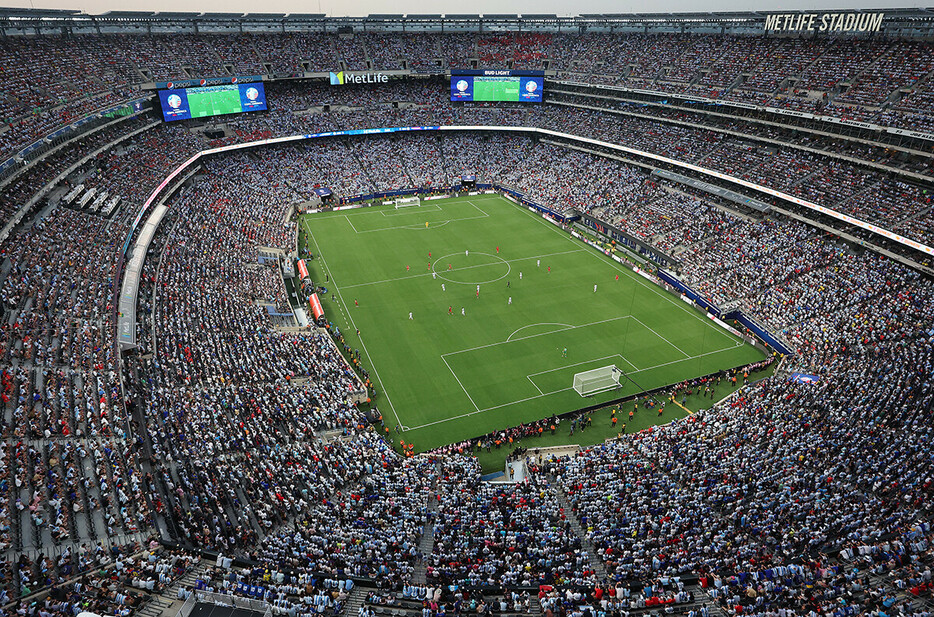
[[466, 263]]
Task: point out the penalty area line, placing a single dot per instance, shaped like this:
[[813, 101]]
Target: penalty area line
[[532, 398], [561, 368], [459, 383]]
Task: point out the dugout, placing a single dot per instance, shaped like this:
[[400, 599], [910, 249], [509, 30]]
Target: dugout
[[317, 311]]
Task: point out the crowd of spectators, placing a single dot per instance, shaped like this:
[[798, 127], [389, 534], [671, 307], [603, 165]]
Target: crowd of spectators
[[695, 497], [50, 85], [494, 534], [639, 496], [818, 169], [70, 466], [285, 591], [788, 497], [811, 171]]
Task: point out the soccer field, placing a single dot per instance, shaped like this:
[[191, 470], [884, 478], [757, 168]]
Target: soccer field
[[213, 102], [496, 89], [495, 364]]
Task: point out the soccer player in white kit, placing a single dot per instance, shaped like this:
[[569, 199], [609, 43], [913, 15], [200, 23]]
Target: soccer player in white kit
[[463, 311], [595, 288], [510, 300], [410, 315], [442, 287]]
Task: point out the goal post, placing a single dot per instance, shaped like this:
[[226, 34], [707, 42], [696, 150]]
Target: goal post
[[404, 202], [597, 380]]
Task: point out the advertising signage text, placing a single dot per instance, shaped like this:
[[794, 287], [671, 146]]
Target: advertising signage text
[[344, 77], [824, 22]]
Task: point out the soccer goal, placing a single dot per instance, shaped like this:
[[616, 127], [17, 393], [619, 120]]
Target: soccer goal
[[403, 202], [597, 380]]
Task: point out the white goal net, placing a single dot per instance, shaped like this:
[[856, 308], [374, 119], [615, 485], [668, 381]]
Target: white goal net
[[403, 202], [597, 380]]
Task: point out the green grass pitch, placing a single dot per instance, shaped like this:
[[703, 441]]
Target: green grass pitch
[[496, 89], [213, 102], [444, 377]]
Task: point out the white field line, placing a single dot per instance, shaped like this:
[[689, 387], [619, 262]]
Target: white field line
[[405, 211], [561, 368], [350, 317], [522, 338], [476, 206], [459, 382], [638, 279], [411, 226], [541, 323], [686, 355], [531, 398], [506, 261], [483, 215]]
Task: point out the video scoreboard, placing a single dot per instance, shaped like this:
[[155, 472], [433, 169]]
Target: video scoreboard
[[497, 86], [188, 103]]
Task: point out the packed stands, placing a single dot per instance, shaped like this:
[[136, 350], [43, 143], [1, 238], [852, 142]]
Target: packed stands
[[842, 77], [233, 435]]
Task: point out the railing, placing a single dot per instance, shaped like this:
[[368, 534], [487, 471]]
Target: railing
[[187, 606], [222, 599], [69, 130]]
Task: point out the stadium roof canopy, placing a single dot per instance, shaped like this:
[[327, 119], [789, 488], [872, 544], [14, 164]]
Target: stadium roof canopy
[[901, 22], [128, 14], [38, 12], [177, 15]]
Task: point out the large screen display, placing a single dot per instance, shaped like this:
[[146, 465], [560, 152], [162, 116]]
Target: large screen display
[[501, 88], [187, 103]]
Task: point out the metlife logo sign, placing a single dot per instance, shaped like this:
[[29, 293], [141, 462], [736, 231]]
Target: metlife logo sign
[[342, 77]]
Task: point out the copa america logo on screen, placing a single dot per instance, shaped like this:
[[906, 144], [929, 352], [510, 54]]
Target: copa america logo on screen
[[252, 94], [530, 88], [461, 86], [174, 101]]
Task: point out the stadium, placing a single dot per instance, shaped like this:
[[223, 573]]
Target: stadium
[[422, 315]]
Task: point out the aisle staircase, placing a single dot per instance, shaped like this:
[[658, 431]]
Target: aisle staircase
[[354, 602], [595, 563], [167, 603], [427, 542]]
